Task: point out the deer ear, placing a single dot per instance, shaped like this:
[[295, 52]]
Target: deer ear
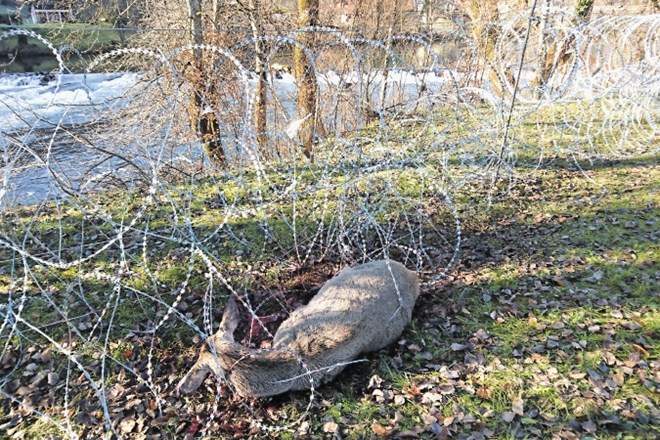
[[230, 320], [194, 378]]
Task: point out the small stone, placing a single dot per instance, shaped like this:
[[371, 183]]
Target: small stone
[[595, 278], [46, 355], [508, 416], [23, 391], [53, 378], [38, 379]]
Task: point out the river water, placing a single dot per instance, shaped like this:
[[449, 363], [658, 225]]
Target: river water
[[38, 113], [42, 115]]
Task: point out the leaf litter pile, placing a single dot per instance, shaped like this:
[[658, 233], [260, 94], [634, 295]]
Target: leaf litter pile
[[547, 327]]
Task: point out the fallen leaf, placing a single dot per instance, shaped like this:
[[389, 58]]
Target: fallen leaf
[[618, 378], [447, 389], [375, 382], [425, 355], [330, 427], [46, 355], [85, 419], [302, 430], [413, 391], [431, 397], [589, 426], [596, 277], [160, 421], [609, 358], [411, 433], [429, 419], [484, 392], [631, 325], [381, 430], [594, 375], [559, 281], [508, 416], [640, 349], [517, 406], [127, 425]]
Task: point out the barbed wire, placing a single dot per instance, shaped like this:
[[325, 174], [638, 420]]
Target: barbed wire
[[132, 237]]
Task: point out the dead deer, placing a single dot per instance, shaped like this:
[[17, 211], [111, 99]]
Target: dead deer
[[362, 309]]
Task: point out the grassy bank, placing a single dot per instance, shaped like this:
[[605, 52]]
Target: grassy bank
[[546, 327], [29, 54]]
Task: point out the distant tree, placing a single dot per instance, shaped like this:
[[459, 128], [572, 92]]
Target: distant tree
[[308, 15], [206, 122], [220, 23], [555, 54], [261, 69], [485, 29]]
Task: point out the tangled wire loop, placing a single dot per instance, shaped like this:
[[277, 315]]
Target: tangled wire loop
[[132, 235]]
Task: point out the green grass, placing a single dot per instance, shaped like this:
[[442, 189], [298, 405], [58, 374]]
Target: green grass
[[547, 327], [36, 56], [84, 38]]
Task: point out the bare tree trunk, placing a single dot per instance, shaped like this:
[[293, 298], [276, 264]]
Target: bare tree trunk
[[308, 15], [206, 123], [545, 55], [583, 9], [425, 15], [556, 56], [390, 33], [261, 69], [217, 10], [484, 16]]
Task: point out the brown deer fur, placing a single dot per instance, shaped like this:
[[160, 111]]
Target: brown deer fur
[[362, 309]]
